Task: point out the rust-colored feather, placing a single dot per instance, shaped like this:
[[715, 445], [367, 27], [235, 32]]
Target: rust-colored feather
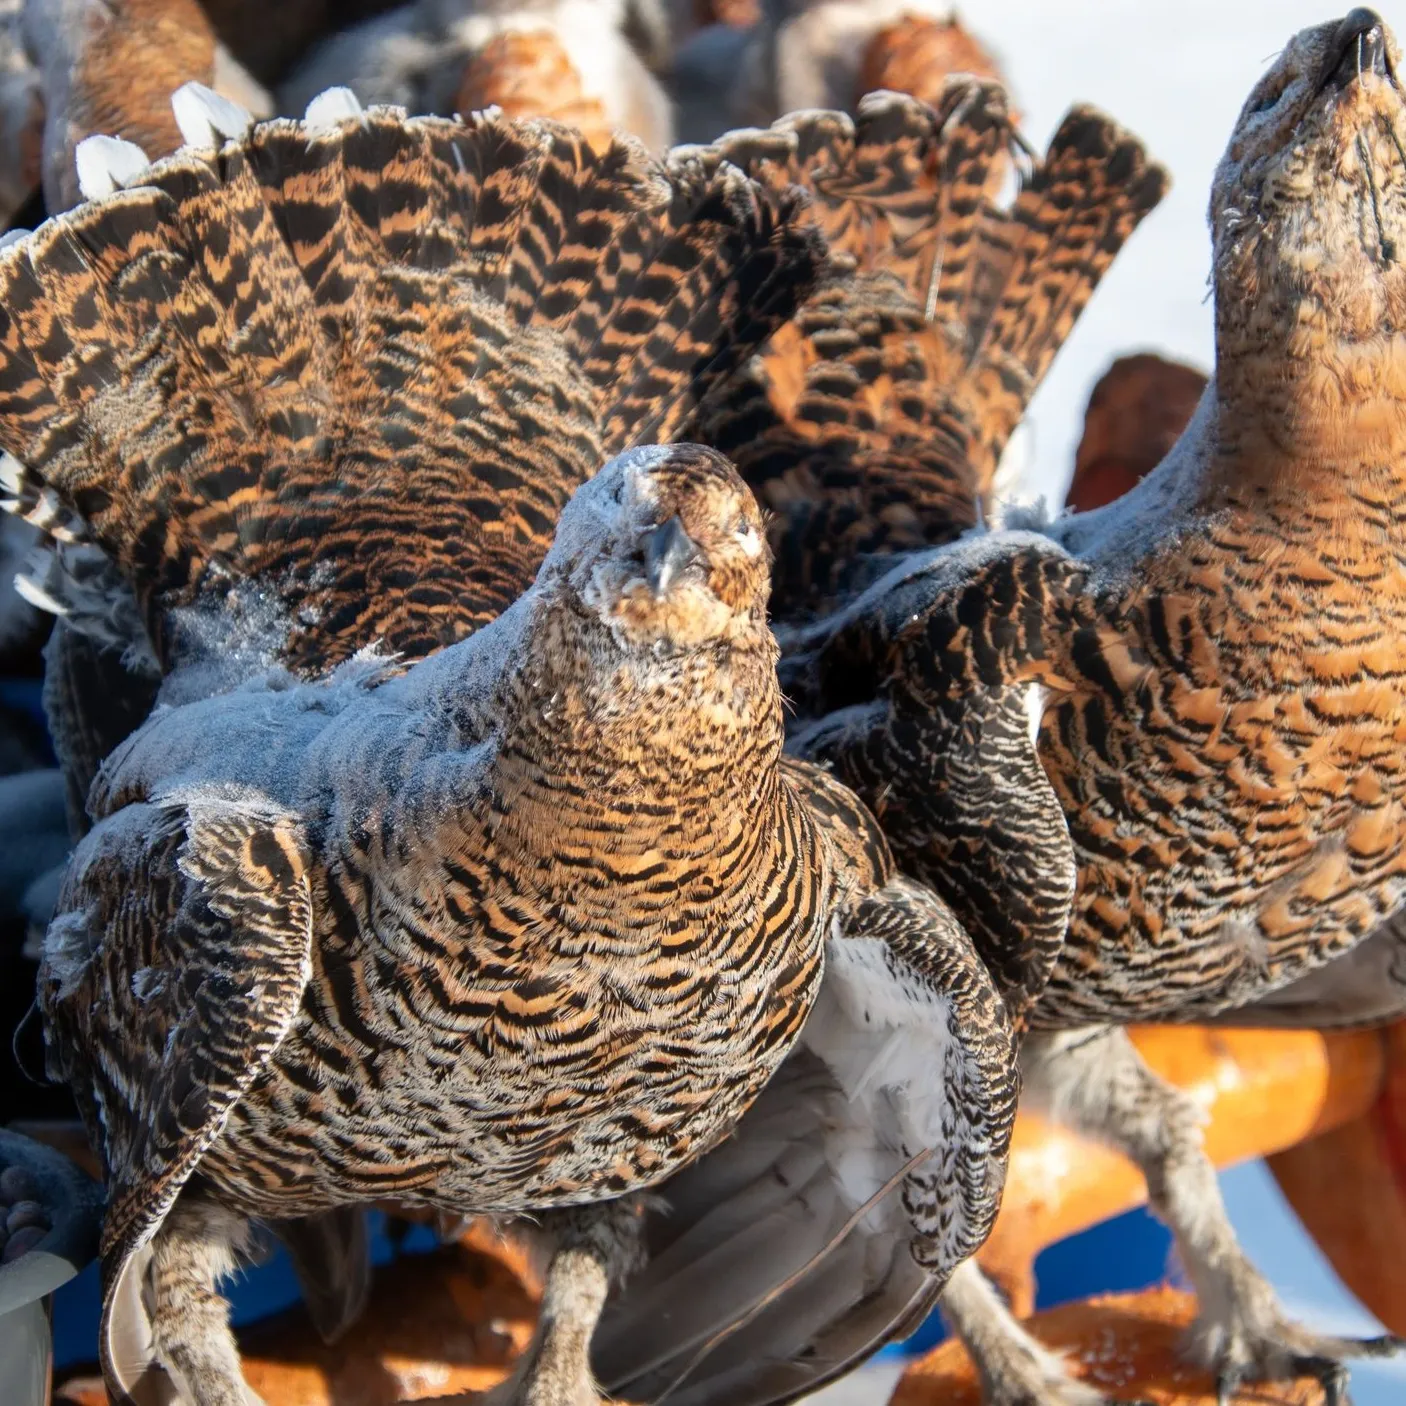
[[875, 421], [111, 68], [1134, 416], [917, 54], [326, 397]]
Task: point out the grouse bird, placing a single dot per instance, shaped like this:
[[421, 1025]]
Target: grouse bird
[[111, 66], [1151, 754], [523, 925], [398, 314]]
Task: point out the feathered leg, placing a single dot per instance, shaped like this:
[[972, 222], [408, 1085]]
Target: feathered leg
[[1096, 1082], [197, 1245], [592, 1247], [1015, 1369]]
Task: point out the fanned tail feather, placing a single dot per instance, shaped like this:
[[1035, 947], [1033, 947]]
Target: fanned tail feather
[[363, 361], [1044, 259], [875, 420]]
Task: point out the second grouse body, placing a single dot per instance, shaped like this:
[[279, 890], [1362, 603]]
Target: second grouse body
[[1222, 698], [1151, 755]]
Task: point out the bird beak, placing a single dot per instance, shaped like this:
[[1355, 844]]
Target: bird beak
[[668, 551]]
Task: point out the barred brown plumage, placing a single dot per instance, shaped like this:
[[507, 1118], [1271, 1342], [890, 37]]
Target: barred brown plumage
[[875, 420], [440, 356], [525, 924], [1195, 792]]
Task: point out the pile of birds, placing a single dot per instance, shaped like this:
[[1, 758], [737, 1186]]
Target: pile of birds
[[552, 723]]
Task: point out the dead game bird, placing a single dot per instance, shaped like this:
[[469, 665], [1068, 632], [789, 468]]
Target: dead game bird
[[795, 55], [329, 273], [872, 421], [1136, 412], [537, 917], [525, 925], [527, 73], [1196, 696], [111, 66]]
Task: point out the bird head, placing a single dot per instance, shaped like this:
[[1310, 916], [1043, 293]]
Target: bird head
[[1308, 221], [666, 547]]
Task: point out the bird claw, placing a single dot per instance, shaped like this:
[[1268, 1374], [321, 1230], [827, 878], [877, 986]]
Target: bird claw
[[1321, 1359], [1330, 1374]]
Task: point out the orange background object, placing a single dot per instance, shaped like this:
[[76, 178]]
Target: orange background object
[[1127, 1345]]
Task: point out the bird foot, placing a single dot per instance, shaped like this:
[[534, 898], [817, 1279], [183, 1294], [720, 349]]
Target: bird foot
[[1028, 1379], [1253, 1340], [543, 1389]]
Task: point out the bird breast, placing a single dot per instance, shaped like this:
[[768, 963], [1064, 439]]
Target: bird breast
[[1232, 762]]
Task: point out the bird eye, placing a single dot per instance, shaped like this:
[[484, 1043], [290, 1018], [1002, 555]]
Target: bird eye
[[748, 537], [1271, 95]]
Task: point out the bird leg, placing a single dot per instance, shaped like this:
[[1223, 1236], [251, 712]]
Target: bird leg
[[1096, 1082], [1015, 1369], [197, 1245], [592, 1247]]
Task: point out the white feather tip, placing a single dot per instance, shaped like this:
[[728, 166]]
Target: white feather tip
[[205, 118], [11, 473], [330, 108], [106, 164], [32, 591]]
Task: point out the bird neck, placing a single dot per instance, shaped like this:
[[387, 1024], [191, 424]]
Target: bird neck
[[1351, 503], [1306, 413], [636, 722]]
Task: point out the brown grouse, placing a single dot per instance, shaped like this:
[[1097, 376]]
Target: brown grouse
[[1151, 755], [526, 924], [873, 422], [344, 380]]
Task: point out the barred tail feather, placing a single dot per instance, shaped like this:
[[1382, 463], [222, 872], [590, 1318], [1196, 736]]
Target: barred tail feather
[[363, 361], [874, 423]]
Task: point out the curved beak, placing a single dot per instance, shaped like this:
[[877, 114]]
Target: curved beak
[[668, 552], [1358, 47]]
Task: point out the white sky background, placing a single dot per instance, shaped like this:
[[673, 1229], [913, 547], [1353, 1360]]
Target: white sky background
[[1176, 75]]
